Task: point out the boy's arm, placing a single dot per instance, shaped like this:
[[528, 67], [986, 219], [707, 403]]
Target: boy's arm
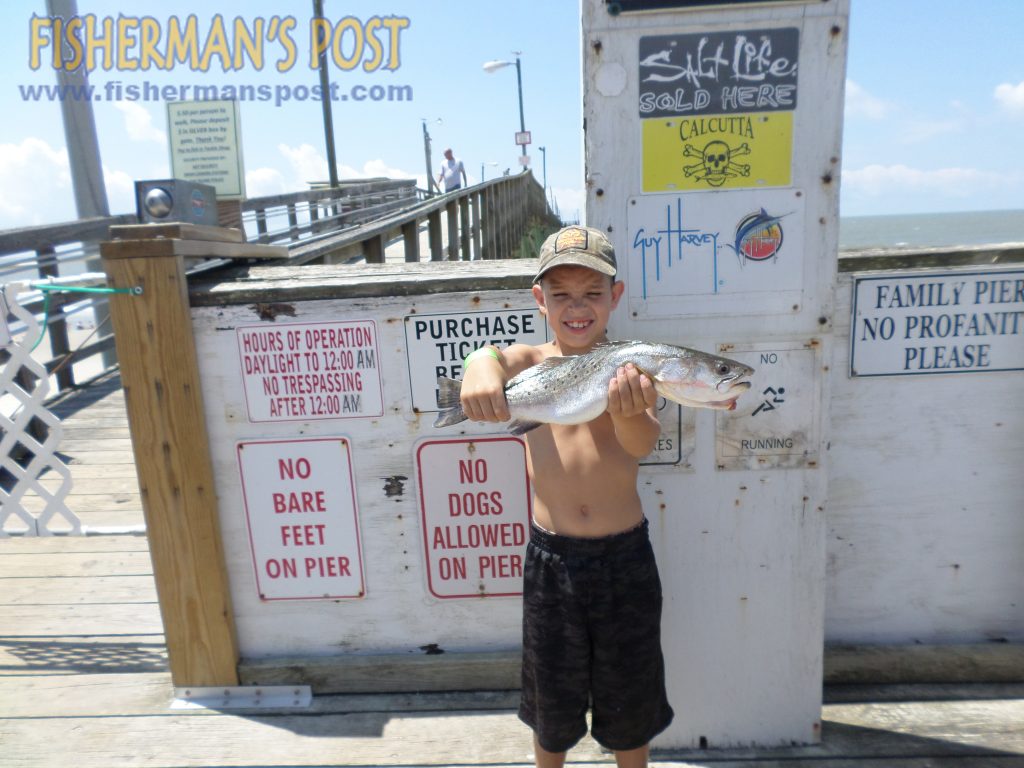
[[631, 401], [483, 382]]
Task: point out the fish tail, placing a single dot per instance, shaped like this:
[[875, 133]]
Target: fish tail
[[448, 400]]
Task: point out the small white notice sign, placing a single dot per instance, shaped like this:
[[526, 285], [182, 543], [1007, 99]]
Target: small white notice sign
[[438, 343], [776, 422], [206, 145], [725, 253], [300, 506], [310, 371], [938, 322], [475, 502]]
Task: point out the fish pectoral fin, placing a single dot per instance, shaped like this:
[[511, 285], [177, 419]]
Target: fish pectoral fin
[[521, 426]]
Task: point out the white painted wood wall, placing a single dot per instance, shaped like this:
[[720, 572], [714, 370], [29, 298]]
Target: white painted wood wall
[[741, 550], [926, 503]]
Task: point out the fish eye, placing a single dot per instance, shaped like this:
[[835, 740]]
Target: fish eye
[[723, 369]]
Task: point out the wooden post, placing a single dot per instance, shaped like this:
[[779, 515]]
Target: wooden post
[[374, 249], [411, 238], [160, 374], [436, 244], [453, 231], [478, 200], [464, 227]]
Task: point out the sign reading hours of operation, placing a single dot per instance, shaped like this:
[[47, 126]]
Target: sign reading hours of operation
[[475, 501], [303, 372], [300, 506]]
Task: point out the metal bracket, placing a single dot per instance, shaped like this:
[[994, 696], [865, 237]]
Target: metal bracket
[[243, 697]]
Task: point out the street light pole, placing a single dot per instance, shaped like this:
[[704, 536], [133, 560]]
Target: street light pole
[[426, 157], [325, 104], [493, 66], [522, 119], [544, 156]]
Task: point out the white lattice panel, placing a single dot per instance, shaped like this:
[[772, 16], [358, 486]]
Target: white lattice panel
[[27, 506]]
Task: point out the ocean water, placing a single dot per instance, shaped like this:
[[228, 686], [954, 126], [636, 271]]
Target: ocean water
[[931, 229]]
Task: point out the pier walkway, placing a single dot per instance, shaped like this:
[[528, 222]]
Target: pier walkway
[[84, 682]]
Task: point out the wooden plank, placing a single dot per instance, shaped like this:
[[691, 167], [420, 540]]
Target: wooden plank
[[912, 735], [48, 546], [962, 663], [74, 564], [102, 589], [353, 739], [382, 673], [168, 425], [142, 689], [40, 663], [148, 692], [105, 619], [95, 486], [179, 230], [145, 249], [290, 284]]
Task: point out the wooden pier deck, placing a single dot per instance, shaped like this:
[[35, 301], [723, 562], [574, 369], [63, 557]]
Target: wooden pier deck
[[84, 680]]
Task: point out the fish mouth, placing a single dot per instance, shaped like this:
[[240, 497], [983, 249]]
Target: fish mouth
[[733, 385]]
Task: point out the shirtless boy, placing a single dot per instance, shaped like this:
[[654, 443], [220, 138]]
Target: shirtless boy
[[591, 594]]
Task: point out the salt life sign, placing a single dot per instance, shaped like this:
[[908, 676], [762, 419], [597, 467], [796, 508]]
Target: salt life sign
[[300, 507], [310, 371], [475, 504], [948, 322]]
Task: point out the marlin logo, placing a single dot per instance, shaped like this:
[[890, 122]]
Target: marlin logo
[[758, 237]]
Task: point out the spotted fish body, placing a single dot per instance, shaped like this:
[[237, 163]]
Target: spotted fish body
[[574, 390]]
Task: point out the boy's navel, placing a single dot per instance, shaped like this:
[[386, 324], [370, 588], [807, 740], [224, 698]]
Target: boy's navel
[[584, 512]]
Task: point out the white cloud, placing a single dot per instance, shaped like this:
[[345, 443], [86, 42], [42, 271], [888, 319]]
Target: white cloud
[[307, 164], [1010, 97], [860, 103], [920, 131], [138, 122], [261, 182], [877, 180], [120, 191], [35, 184]]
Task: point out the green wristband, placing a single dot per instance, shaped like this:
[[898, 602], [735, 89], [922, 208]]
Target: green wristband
[[482, 352]]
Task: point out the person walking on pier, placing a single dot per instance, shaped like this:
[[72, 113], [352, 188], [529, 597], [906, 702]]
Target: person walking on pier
[[452, 172]]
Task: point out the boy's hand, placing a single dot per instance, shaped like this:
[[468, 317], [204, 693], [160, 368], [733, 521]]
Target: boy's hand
[[483, 391], [630, 393]]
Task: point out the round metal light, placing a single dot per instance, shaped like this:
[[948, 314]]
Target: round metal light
[[158, 202]]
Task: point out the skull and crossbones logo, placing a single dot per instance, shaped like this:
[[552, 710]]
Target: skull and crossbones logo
[[716, 163]]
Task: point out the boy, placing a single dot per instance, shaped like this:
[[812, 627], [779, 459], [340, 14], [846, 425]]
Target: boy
[[591, 594]]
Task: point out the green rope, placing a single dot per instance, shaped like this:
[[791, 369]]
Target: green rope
[[83, 289], [48, 288]]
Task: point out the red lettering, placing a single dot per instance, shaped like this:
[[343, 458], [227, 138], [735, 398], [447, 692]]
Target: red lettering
[[500, 566], [303, 501], [302, 535], [327, 567]]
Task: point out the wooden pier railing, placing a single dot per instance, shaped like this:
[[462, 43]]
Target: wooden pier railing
[[502, 218]]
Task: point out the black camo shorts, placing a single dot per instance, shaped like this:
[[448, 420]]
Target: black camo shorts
[[592, 638]]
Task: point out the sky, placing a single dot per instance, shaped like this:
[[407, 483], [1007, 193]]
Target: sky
[[934, 102]]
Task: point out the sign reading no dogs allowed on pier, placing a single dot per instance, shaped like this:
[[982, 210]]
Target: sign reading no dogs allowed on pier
[[475, 503], [300, 507]]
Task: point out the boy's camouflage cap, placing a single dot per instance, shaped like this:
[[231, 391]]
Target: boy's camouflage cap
[[582, 246]]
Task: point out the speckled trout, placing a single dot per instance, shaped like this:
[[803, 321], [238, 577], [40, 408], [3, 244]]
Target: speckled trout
[[574, 390]]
